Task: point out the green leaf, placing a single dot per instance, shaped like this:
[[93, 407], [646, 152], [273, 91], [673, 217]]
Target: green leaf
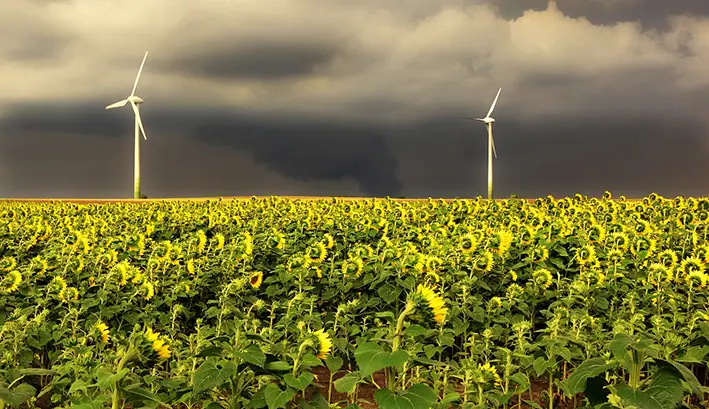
[[89, 403], [78, 385], [37, 372], [666, 387], [637, 398], [371, 357], [540, 365], [415, 330], [418, 396], [333, 363], [694, 354], [210, 351], [300, 383], [478, 314], [310, 361], [619, 346], [253, 355], [138, 394], [347, 383], [277, 398], [684, 373], [106, 379], [520, 379], [212, 374], [258, 400], [278, 366], [576, 383], [450, 398], [17, 395], [389, 293], [317, 401]]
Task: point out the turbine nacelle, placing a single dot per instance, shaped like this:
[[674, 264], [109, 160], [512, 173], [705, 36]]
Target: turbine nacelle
[[135, 99], [488, 120]]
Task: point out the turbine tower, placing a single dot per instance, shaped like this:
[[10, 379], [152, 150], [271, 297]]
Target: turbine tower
[[135, 101], [488, 120], [552, 6]]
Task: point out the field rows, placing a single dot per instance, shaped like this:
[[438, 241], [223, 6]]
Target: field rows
[[280, 303]]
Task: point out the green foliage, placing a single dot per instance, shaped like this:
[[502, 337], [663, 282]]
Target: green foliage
[[275, 303]]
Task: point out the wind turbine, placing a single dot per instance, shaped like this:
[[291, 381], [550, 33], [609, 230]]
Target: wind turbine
[[551, 6], [488, 120], [135, 101]]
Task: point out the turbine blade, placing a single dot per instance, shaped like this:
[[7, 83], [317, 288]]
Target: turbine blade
[[492, 142], [135, 86], [118, 104], [471, 118], [494, 103], [140, 122]]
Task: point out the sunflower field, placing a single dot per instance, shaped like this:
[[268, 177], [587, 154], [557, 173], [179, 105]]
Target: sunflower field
[[278, 303]]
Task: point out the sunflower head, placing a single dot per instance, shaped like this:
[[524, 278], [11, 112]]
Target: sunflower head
[[103, 330], [435, 303], [324, 343], [255, 279], [542, 278]]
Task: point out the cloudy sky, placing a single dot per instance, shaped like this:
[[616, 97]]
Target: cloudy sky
[[355, 98]]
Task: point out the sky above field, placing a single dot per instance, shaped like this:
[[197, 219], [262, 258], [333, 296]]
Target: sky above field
[[356, 98]]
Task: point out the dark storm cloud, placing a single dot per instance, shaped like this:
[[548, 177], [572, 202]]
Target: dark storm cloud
[[561, 156], [259, 59], [359, 98], [441, 157], [307, 150], [650, 13], [311, 150], [86, 118]]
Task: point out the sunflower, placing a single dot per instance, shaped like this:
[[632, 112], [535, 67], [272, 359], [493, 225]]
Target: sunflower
[[14, 279], [330, 240], [103, 330], [542, 277], [162, 350], [691, 265], [150, 335], [355, 262], [324, 343], [435, 302], [668, 258], [486, 261], [468, 243], [255, 279], [158, 344], [586, 255], [504, 241]]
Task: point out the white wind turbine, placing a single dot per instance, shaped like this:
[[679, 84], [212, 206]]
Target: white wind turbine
[[488, 120], [135, 101]]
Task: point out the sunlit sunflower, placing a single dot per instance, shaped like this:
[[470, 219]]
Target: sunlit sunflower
[[435, 302], [486, 261], [668, 258], [329, 240], [504, 241], [150, 335], [103, 330], [690, 265], [542, 277], [255, 279], [161, 348], [324, 343], [12, 281]]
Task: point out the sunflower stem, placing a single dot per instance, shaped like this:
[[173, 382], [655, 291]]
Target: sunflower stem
[[410, 305]]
